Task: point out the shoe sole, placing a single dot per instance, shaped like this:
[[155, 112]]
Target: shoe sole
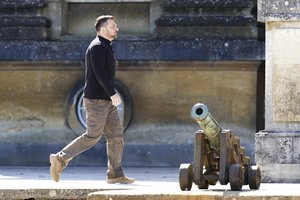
[[119, 180]]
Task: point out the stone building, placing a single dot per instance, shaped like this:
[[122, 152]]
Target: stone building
[[171, 54]]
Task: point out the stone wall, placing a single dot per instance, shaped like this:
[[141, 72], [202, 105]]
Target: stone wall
[[163, 98], [216, 61], [32, 110]]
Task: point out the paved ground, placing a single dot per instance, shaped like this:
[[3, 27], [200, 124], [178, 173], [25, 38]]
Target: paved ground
[[152, 183]]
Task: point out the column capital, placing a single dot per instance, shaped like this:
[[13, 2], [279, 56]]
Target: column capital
[[278, 10]]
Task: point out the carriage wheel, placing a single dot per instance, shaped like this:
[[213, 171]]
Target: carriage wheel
[[186, 176], [236, 177], [254, 177]]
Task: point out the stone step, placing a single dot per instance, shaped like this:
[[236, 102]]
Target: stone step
[[193, 49], [21, 4], [205, 21], [227, 19], [23, 33], [22, 27], [226, 27], [19, 20], [183, 4], [209, 32]]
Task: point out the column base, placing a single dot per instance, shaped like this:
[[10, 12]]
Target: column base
[[278, 155]]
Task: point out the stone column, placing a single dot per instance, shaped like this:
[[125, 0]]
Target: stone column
[[277, 149]]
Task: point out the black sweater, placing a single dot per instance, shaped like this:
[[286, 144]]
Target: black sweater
[[100, 70]]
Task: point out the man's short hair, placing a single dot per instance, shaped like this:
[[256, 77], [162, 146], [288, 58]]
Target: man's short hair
[[101, 21]]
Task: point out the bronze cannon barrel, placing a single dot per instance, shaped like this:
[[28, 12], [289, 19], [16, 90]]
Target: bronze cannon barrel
[[211, 128]]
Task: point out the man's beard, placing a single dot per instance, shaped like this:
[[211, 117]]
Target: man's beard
[[115, 36]]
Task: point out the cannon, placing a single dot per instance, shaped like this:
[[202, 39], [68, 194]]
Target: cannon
[[218, 156]]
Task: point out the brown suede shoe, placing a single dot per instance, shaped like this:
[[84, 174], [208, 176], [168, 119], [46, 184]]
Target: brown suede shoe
[[121, 180], [56, 167]]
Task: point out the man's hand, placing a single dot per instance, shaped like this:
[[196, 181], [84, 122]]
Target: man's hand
[[116, 100]]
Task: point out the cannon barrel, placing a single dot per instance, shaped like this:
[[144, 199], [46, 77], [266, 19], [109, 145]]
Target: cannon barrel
[[211, 128]]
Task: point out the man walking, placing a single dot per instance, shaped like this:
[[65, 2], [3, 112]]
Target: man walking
[[100, 103]]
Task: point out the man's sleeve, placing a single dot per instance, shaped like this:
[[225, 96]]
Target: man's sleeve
[[98, 60]]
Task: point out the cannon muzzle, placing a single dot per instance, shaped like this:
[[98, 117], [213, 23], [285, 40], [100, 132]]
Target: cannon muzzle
[[211, 128]]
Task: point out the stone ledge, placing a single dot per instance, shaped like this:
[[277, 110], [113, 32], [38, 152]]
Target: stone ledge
[[280, 173], [263, 17], [31, 21], [45, 194], [274, 10], [23, 33], [205, 21], [278, 134], [129, 65], [25, 4], [200, 49], [187, 196], [177, 4], [210, 32], [190, 50]]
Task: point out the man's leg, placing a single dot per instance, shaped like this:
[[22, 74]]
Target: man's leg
[[115, 144], [96, 114]]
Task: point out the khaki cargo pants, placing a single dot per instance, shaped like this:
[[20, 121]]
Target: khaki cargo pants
[[101, 118]]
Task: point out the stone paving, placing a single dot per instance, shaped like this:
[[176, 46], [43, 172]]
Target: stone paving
[[32, 183]]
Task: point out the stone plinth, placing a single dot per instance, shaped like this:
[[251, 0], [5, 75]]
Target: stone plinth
[[278, 155], [277, 149]]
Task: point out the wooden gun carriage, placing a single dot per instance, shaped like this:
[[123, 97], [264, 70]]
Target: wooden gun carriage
[[218, 156]]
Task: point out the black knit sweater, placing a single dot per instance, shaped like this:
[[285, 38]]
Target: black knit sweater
[[100, 70]]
